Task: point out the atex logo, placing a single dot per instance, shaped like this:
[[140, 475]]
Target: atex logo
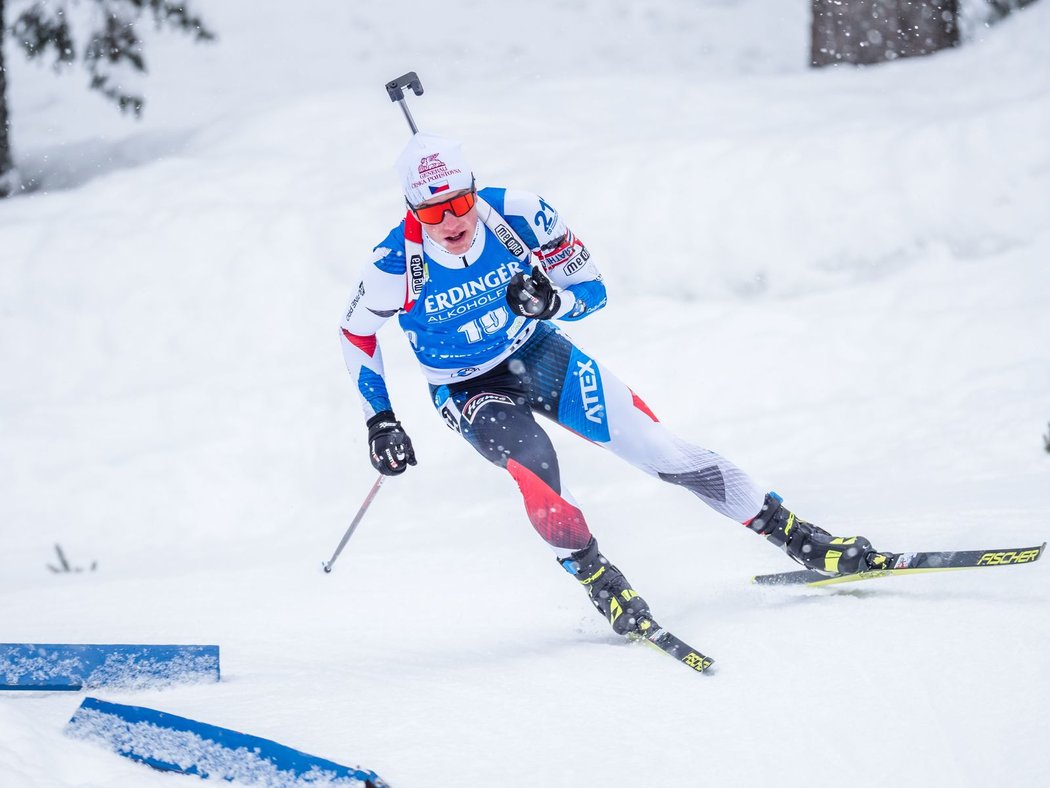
[[590, 391]]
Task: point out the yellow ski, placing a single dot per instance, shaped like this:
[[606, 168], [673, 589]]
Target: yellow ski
[[911, 563]]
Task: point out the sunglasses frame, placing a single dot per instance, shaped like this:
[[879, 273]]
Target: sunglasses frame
[[446, 206]]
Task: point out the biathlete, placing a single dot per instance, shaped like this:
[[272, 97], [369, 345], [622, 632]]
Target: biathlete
[[477, 278]]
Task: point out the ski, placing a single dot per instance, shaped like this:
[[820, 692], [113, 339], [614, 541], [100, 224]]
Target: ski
[[673, 646], [911, 563]]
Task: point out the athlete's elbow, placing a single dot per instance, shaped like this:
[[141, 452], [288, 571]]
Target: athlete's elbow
[[597, 296], [598, 305]]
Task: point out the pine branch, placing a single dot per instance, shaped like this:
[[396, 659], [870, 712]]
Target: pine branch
[[125, 101], [44, 26], [178, 16], [113, 43]]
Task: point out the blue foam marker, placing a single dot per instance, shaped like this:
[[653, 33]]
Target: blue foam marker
[[65, 667], [176, 744]]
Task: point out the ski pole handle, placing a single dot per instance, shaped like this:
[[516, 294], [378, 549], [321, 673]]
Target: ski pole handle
[[528, 296], [395, 88], [357, 519], [532, 302]]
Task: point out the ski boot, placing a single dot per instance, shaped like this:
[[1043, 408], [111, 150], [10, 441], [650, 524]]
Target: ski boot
[[609, 590], [811, 546]]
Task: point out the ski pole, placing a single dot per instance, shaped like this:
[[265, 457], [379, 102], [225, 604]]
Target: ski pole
[[350, 531], [395, 88]]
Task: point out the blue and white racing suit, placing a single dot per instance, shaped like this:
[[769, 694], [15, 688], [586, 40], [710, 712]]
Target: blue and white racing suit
[[491, 371]]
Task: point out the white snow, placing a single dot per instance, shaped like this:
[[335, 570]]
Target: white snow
[[838, 279]]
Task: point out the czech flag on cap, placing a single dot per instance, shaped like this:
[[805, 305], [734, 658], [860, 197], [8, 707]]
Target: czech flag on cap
[[442, 187]]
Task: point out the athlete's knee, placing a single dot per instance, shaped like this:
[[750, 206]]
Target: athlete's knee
[[526, 445], [559, 521], [706, 482]]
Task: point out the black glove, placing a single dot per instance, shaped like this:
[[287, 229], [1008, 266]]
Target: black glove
[[533, 296], [388, 445]]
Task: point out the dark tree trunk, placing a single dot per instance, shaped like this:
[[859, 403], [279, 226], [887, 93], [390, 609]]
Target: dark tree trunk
[[1002, 8], [6, 164], [871, 31]]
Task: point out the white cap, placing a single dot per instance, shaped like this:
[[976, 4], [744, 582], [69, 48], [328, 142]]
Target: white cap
[[430, 165]]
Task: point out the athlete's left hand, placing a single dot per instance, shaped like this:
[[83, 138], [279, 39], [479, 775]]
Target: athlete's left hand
[[532, 296]]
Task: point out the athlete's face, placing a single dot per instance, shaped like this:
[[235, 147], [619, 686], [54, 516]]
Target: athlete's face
[[454, 233]]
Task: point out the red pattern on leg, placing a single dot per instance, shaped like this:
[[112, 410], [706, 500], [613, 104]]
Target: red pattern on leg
[[559, 522], [640, 404]]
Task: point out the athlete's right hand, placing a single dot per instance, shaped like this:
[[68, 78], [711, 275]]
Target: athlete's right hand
[[390, 449]]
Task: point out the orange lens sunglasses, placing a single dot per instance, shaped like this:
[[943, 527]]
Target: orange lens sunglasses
[[435, 213]]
